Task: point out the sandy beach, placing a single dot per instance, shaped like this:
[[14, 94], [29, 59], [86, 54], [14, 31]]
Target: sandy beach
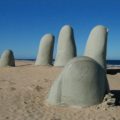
[[24, 88]]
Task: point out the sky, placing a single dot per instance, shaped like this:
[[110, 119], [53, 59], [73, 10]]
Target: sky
[[24, 22]]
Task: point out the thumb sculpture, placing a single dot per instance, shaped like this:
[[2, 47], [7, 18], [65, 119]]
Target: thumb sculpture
[[97, 44], [7, 59], [82, 83], [45, 52], [66, 48]]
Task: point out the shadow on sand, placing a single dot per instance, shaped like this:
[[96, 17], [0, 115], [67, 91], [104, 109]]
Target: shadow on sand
[[117, 96], [113, 71]]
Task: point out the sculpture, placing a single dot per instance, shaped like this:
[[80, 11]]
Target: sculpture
[[82, 83], [66, 48], [45, 52], [97, 44], [7, 59]]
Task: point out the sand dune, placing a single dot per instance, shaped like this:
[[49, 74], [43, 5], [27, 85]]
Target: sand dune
[[24, 88]]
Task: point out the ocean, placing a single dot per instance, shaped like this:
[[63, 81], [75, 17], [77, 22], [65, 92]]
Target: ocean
[[113, 62]]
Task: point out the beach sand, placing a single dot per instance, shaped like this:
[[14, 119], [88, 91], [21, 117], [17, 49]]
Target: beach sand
[[24, 88]]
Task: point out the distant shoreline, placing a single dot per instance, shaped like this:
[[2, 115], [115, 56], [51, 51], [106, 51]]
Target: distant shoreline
[[26, 59], [109, 62]]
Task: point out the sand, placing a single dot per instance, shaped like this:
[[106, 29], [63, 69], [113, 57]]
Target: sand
[[24, 88]]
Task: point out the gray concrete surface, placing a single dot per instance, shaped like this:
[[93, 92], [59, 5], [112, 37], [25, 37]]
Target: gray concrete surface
[[82, 83], [96, 46], [66, 48], [7, 59], [45, 52]]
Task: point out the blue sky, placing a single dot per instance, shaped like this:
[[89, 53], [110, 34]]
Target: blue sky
[[24, 22]]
